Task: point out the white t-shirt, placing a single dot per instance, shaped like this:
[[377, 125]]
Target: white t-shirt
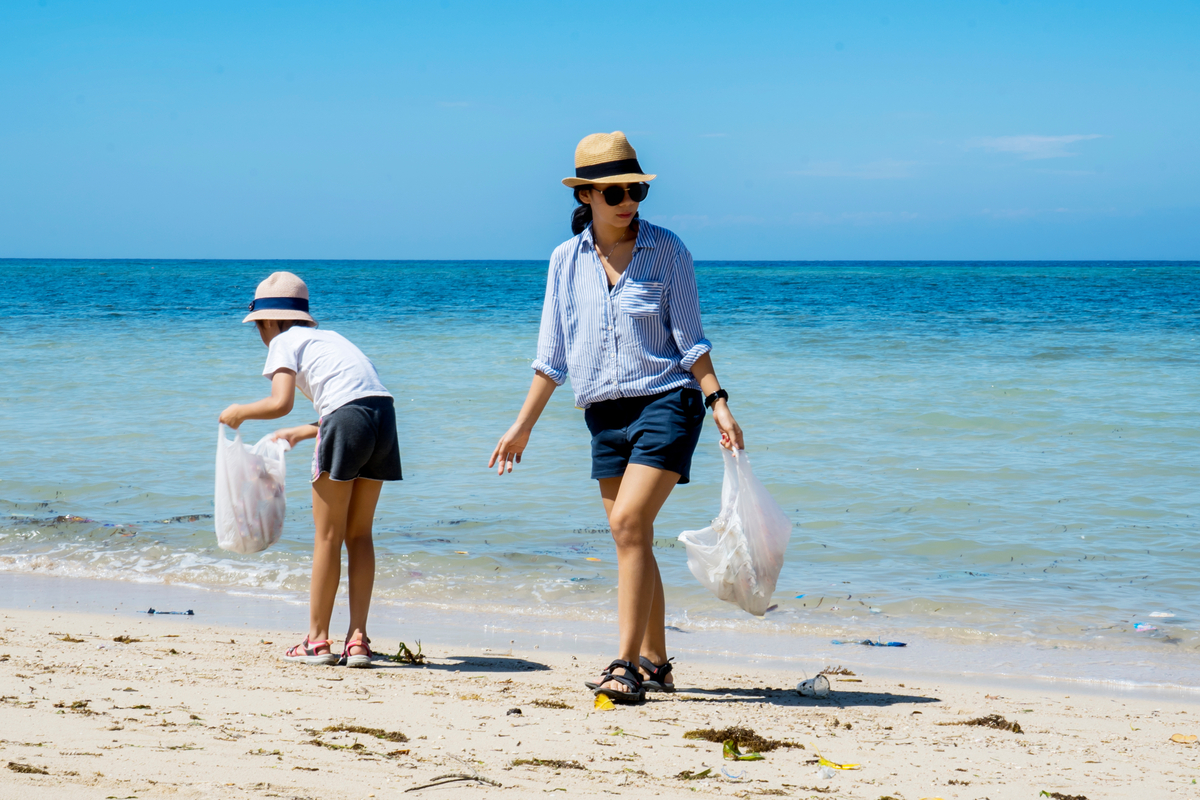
[[330, 370]]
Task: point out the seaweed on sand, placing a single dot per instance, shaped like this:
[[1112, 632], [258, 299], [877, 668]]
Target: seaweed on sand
[[557, 763], [744, 738], [378, 733], [404, 655], [990, 721]]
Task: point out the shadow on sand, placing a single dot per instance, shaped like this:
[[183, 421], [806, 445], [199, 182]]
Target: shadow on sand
[[789, 697], [471, 664]]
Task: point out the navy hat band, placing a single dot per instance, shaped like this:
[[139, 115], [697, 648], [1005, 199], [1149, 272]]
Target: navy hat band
[[285, 303]]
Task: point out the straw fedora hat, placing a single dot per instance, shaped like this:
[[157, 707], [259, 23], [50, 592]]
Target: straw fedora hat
[[281, 296], [606, 158]]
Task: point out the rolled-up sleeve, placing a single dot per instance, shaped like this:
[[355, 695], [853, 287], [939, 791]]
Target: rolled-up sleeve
[[552, 349], [683, 310]]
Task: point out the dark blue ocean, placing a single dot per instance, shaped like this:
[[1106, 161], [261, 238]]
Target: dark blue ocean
[[1003, 453]]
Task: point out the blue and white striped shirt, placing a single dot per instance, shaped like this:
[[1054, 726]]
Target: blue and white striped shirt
[[639, 339]]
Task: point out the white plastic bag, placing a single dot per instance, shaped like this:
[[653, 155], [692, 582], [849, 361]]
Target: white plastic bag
[[250, 501], [740, 555]]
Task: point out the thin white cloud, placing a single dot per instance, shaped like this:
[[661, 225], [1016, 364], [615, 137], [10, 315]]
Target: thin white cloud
[[1031, 146], [875, 170]]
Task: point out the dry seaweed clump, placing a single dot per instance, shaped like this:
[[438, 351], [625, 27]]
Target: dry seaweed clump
[[378, 733], [551, 704], [404, 655], [28, 769], [990, 721], [548, 762], [743, 738], [1061, 796], [838, 670]]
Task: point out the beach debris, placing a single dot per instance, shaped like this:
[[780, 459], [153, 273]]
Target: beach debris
[[1162, 614], [1144, 626], [404, 655], [741, 776], [378, 733], [556, 763], [731, 752], [125, 638], [869, 643], [454, 777], [461, 553], [591, 558], [307, 769], [1061, 796], [814, 687], [742, 737], [188, 613], [688, 775], [551, 704], [623, 732], [603, 703], [357, 747], [990, 721], [66, 637], [1184, 738], [799, 596], [27, 769], [396, 753], [513, 712], [825, 762], [261, 752], [826, 773]]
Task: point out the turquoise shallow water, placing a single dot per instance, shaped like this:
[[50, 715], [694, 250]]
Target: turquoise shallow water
[[979, 452]]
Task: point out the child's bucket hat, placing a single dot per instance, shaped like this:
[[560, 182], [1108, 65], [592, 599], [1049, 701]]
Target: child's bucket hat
[[281, 296], [606, 158]]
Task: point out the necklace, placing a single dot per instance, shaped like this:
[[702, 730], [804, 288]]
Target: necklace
[[614, 247]]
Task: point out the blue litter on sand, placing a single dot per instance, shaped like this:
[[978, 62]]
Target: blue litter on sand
[[869, 643], [799, 596], [188, 613]]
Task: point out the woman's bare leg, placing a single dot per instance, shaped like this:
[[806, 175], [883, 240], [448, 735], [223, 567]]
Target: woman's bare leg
[[360, 554], [331, 500], [633, 502]]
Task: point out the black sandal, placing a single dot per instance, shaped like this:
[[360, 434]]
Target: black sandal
[[656, 680], [632, 678]]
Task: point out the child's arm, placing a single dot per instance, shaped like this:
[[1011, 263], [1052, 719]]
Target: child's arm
[[296, 435], [279, 404]]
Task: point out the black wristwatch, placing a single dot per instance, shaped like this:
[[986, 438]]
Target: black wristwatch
[[719, 394]]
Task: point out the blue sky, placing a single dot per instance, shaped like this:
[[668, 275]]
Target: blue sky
[[801, 130]]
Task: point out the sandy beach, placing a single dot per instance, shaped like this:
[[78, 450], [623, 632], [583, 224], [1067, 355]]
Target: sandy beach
[[98, 706]]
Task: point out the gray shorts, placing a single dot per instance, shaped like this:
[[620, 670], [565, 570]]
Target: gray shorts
[[358, 440]]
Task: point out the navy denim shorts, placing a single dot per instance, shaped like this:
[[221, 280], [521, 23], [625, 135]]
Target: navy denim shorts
[[659, 430]]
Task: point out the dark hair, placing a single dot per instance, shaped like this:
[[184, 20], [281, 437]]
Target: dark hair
[[286, 324], [581, 215]]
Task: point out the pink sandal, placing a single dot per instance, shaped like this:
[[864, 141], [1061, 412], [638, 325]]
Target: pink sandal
[[359, 661], [306, 653]]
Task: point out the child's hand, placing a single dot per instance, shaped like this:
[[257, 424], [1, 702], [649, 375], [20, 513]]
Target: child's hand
[[293, 436], [232, 417]]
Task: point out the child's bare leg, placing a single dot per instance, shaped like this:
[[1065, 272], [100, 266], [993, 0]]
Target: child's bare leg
[[331, 501], [360, 552]]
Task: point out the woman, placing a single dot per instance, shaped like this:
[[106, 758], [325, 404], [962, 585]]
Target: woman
[[622, 318]]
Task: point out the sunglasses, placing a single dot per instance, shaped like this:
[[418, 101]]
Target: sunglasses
[[615, 195]]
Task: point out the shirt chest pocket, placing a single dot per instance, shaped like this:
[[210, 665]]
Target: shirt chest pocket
[[642, 299]]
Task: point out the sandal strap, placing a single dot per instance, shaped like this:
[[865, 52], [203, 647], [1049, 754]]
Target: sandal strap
[[656, 673], [309, 648], [357, 643], [632, 678]]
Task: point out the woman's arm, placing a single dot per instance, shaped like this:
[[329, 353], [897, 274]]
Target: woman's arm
[[279, 404], [513, 442], [731, 433]]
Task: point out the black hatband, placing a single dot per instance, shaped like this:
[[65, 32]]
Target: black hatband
[[597, 172], [285, 303]]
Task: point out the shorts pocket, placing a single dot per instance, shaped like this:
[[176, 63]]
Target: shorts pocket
[[642, 299]]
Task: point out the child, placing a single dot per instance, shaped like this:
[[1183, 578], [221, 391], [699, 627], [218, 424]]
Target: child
[[356, 451]]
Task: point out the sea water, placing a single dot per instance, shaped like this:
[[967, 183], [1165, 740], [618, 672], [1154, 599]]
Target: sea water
[[972, 453]]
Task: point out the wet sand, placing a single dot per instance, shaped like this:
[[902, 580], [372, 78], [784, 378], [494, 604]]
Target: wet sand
[[201, 711]]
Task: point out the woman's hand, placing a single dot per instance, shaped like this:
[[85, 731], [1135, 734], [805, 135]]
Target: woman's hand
[[296, 435], [731, 433], [509, 448], [232, 416]]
